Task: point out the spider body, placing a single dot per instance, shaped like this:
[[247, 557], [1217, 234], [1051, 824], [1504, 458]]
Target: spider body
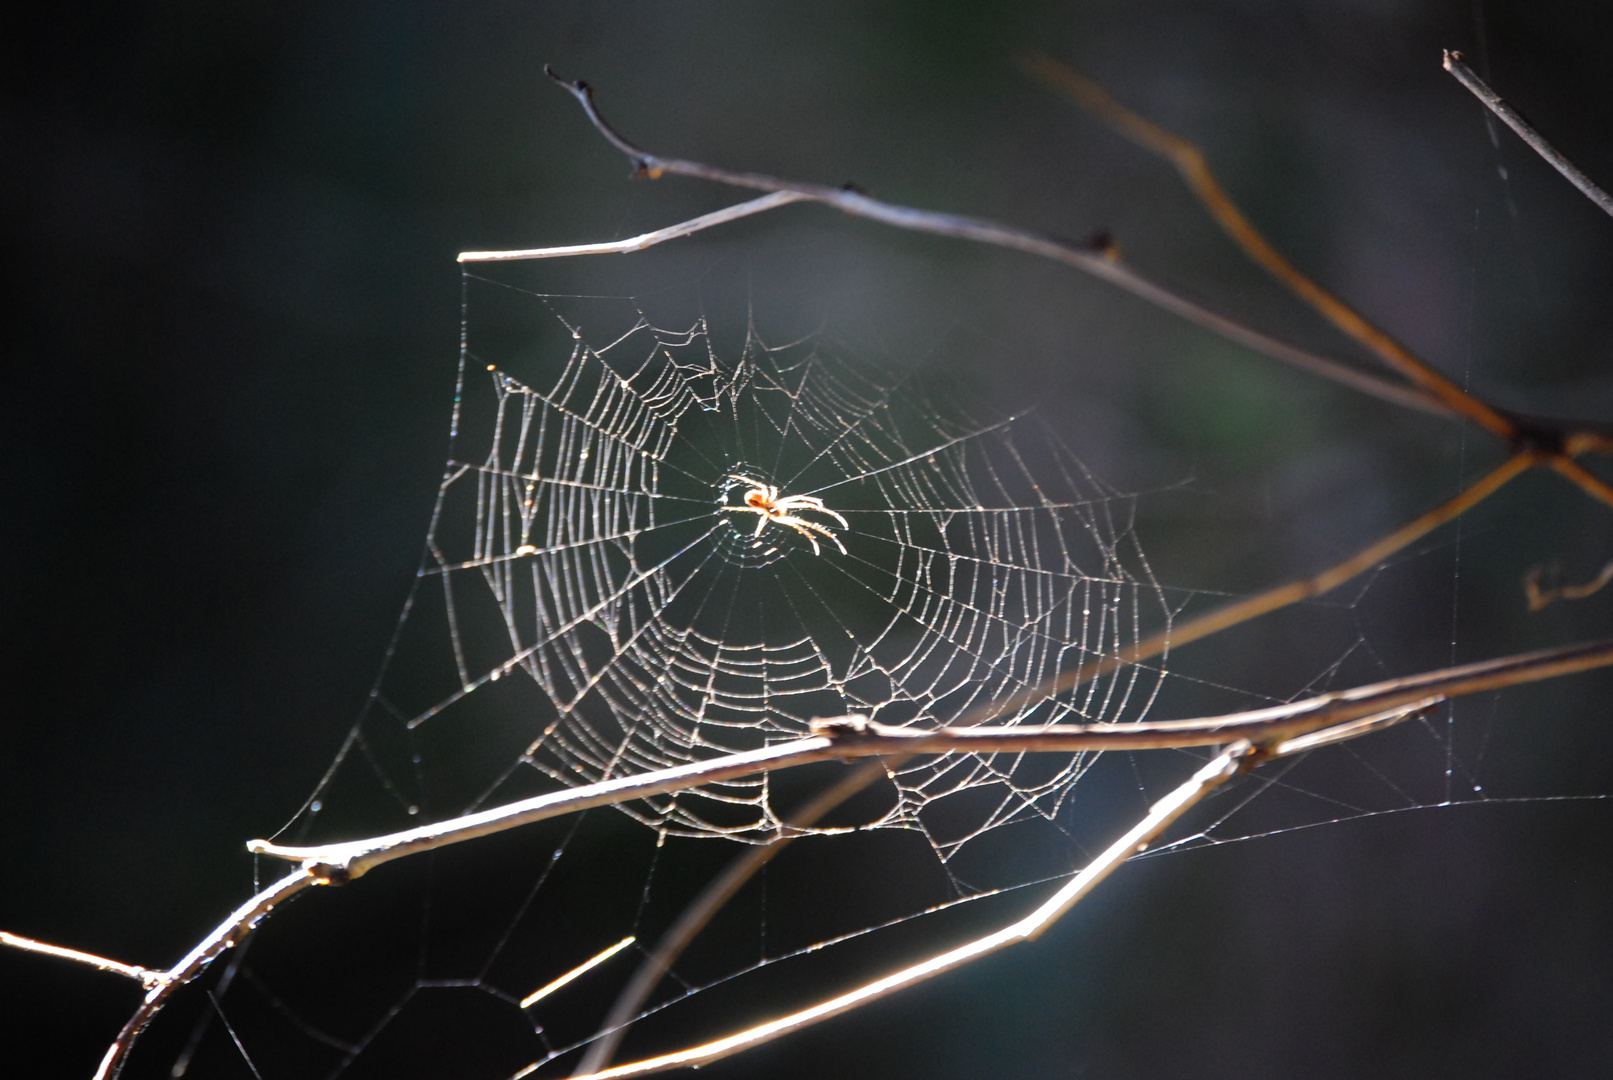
[[765, 501]]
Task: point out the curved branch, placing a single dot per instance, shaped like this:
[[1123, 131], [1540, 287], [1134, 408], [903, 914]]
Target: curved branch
[[1190, 162], [1267, 732], [1101, 259], [1157, 820], [701, 910]]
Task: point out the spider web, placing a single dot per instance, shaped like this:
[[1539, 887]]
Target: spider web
[[592, 564], [595, 601]]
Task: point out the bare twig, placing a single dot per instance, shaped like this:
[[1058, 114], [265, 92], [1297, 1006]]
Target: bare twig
[[1265, 726], [1352, 730], [1159, 817], [1454, 63], [711, 900], [581, 969], [1190, 162], [1582, 478], [222, 937], [645, 240], [1099, 260], [1241, 611], [1540, 596], [856, 737], [144, 976]]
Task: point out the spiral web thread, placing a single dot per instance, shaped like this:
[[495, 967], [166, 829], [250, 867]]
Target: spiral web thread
[[595, 601], [596, 581]]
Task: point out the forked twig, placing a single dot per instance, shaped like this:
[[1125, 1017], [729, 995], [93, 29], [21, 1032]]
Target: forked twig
[[1160, 816], [712, 898], [1271, 731], [1157, 820], [1098, 259], [1455, 64], [1254, 736], [1195, 170], [1558, 447]]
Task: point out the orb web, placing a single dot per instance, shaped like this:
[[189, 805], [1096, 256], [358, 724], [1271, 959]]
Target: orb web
[[597, 570], [598, 597]]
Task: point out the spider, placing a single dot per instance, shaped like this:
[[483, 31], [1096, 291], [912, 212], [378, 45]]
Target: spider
[[764, 501]]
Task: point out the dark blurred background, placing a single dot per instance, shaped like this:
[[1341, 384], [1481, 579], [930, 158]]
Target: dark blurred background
[[233, 316]]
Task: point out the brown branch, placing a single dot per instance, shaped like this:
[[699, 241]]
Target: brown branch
[[847, 738], [1282, 596], [1557, 447], [704, 907], [1537, 142], [1099, 260], [1259, 726], [1540, 597], [1582, 478], [1190, 162]]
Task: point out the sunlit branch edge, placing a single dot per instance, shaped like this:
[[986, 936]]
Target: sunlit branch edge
[[1160, 816], [1268, 736], [1454, 63], [1557, 442], [1194, 168], [1100, 259], [1268, 732]]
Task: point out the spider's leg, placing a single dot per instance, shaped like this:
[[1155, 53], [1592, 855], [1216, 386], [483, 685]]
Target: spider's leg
[[801, 525], [811, 502]]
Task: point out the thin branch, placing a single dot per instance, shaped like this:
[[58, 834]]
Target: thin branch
[[1159, 818], [339, 863], [144, 976], [1261, 726], [1190, 162], [1582, 478], [1241, 611], [581, 969], [856, 737], [1354, 729], [1544, 596], [1537, 142], [711, 900], [239, 923], [845, 738], [1099, 260], [644, 240]]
